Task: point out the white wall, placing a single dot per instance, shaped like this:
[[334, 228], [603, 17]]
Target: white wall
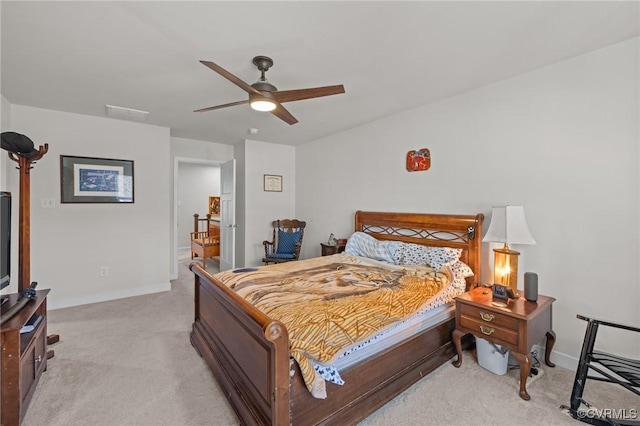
[[261, 208], [562, 141], [5, 125], [241, 205], [196, 183], [192, 148], [71, 242]]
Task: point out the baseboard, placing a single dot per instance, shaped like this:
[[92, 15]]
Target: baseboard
[[103, 297], [561, 360], [558, 358]]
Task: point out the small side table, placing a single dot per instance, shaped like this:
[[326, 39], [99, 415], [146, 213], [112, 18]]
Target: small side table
[[329, 249], [518, 326]]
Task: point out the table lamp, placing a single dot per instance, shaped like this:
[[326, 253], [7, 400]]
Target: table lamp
[[508, 226]]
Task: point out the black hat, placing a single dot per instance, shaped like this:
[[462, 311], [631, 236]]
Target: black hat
[[17, 143]]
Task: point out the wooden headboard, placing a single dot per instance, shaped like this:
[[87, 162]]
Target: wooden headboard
[[440, 230]]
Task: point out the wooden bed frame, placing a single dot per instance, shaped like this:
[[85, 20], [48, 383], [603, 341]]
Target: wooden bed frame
[[249, 353]]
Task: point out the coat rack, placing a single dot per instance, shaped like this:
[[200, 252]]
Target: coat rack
[[25, 164], [20, 149]]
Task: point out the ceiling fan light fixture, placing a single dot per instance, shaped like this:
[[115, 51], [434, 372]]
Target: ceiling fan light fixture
[[264, 106], [261, 103]]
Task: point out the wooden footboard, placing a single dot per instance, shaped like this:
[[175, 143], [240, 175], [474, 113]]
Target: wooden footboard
[[247, 352]]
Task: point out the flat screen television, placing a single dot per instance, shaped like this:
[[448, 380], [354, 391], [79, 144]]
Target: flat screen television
[[5, 239]]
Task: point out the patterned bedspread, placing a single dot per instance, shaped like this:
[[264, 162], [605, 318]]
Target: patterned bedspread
[[330, 304]]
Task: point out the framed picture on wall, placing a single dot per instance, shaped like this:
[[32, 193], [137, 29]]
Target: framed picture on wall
[[273, 183], [95, 180], [214, 206]]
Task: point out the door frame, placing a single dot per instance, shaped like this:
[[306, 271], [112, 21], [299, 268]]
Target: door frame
[[176, 165]]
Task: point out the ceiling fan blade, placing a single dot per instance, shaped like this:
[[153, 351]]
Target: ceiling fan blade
[[232, 78], [284, 115], [222, 106], [300, 94]]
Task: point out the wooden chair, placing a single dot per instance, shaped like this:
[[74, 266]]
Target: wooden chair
[[608, 367], [205, 239], [286, 243]]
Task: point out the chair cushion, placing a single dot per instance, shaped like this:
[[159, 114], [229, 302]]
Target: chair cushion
[[287, 242], [281, 256]]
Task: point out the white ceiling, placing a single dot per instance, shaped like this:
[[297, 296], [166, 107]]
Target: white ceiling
[[391, 56]]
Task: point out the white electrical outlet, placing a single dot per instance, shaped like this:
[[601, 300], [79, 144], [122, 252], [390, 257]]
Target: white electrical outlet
[[104, 271]]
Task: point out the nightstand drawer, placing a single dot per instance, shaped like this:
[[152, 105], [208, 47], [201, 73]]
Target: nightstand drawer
[[491, 318], [491, 331]]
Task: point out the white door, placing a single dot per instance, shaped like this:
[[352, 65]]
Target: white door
[[228, 215]]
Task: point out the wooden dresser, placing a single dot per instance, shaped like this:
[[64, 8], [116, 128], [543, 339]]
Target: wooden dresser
[[24, 357]]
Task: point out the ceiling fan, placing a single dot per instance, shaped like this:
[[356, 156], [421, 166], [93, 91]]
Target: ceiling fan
[[264, 96]]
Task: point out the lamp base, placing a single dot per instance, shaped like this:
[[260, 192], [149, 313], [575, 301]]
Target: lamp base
[[505, 267]]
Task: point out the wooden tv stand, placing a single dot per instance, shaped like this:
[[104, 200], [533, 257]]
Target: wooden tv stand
[[24, 357]]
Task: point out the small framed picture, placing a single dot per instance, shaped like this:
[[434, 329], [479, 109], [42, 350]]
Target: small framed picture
[[273, 183], [214, 206], [95, 180]]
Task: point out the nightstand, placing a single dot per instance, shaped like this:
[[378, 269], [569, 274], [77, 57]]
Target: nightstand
[[518, 326], [329, 249]]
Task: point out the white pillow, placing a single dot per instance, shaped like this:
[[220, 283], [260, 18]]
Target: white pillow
[[416, 254], [364, 245], [460, 271]]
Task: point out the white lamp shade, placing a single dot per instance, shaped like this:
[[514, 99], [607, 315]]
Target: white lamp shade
[[508, 225]]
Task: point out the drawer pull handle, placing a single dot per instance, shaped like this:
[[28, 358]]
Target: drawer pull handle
[[487, 317], [38, 358], [487, 330]]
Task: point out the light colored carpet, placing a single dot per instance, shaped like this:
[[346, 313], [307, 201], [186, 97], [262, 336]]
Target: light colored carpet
[[130, 362]]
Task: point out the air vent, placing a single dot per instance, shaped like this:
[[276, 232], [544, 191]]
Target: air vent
[[126, 113]]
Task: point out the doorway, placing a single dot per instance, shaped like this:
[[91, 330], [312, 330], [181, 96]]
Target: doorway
[[199, 178]]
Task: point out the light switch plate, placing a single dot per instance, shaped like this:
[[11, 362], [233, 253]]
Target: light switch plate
[[48, 203]]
